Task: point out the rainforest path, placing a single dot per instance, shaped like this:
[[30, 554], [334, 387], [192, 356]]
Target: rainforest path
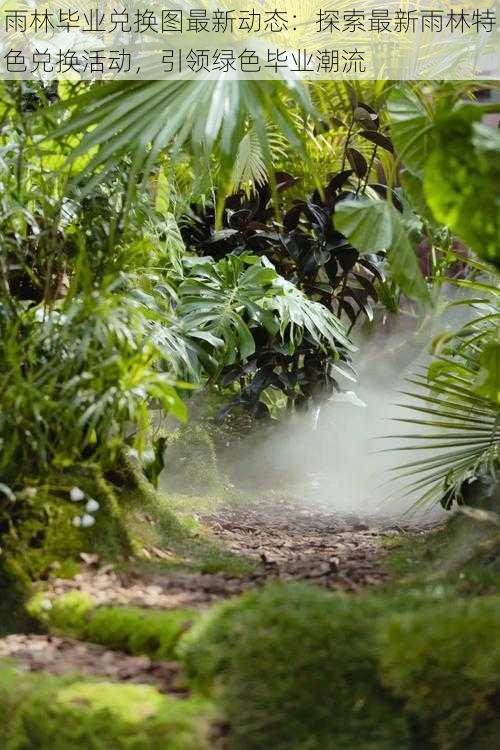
[[286, 541]]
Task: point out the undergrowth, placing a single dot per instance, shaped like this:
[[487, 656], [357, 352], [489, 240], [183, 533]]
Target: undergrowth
[[461, 556], [136, 526], [412, 664]]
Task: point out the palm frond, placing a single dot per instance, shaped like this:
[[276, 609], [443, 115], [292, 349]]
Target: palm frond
[[250, 166], [457, 409], [142, 119]]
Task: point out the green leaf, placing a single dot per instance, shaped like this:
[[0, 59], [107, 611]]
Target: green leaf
[[404, 265], [374, 226], [461, 182], [411, 129], [162, 199], [146, 118], [222, 299], [367, 224]]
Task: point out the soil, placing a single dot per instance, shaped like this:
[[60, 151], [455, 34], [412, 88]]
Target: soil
[[58, 656]]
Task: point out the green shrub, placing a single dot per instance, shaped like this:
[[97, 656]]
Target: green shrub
[[135, 630], [294, 666], [444, 662], [47, 713]]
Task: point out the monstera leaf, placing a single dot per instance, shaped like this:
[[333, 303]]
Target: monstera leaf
[[223, 298]]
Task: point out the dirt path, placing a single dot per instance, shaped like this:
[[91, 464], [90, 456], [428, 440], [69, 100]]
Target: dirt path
[[294, 543], [287, 543]]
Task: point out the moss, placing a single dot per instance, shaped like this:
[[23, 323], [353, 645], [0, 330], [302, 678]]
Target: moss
[[132, 516], [132, 629], [68, 614], [191, 462], [157, 519], [294, 666], [297, 667], [15, 588], [110, 536], [43, 539], [139, 631], [444, 662], [462, 555], [58, 714], [211, 557]]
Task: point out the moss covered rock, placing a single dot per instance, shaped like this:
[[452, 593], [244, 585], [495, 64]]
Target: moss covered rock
[[68, 614], [444, 661], [136, 630], [64, 714], [298, 668], [139, 631], [294, 666], [46, 534]]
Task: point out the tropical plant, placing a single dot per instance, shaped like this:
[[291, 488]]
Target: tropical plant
[[266, 328], [456, 417], [454, 160], [101, 317], [299, 237], [252, 293], [144, 118]]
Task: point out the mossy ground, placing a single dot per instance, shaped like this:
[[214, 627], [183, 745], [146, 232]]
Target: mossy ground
[[293, 666], [461, 556], [14, 590], [444, 662], [49, 713], [133, 517], [412, 664], [191, 546]]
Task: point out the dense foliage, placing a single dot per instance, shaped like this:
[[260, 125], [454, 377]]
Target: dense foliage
[[237, 255]]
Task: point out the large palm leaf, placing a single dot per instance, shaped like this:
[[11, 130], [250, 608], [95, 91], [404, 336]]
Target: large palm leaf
[[458, 433], [143, 118]]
